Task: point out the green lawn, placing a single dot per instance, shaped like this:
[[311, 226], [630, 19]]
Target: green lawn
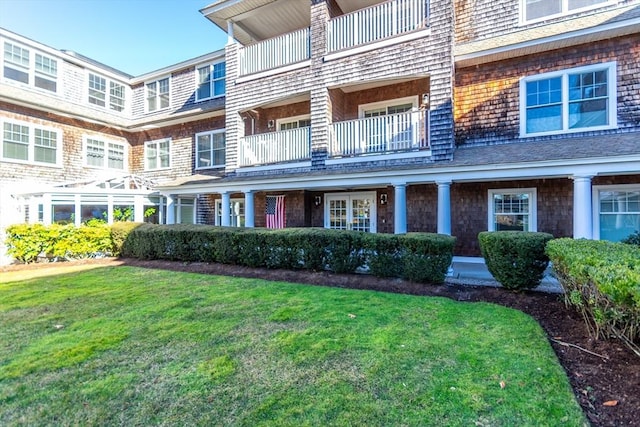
[[131, 346]]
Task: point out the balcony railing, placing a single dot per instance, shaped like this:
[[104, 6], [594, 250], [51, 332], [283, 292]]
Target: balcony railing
[[379, 135], [377, 22], [275, 147], [275, 53]]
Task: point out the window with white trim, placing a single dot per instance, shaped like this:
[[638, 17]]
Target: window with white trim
[[157, 94], [236, 212], [39, 70], [24, 142], [617, 211], [210, 149], [103, 91], [211, 81], [157, 154], [185, 212], [574, 100], [295, 122], [512, 209], [104, 154], [536, 10]]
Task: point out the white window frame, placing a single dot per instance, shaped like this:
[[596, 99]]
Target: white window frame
[[178, 209], [211, 66], [565, 11], [105, 165], [612, 93], [596, 202], [533, 205], [157, 96], [30, 67], [218, 212], [32, 144], [292, 119], [157, 142], [108, 97], [387, 103], [211, 132]]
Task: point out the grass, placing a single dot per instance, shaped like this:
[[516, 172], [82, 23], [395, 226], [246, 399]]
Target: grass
[[123, 345]]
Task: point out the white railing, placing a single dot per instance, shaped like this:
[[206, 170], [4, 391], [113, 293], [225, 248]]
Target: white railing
[[275, 147], [377, 135], [377, 22], [275, 52]]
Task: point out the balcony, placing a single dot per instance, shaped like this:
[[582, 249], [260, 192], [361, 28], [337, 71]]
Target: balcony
[[275, 147], [380, 135], [375, 23], [275, 53]]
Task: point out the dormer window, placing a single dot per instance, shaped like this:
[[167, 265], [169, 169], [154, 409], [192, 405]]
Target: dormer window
[[157, 94], [536, 10], [103, 91], [211, 81], [24, 66]]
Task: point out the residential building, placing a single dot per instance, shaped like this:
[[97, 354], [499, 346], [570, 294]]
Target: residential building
[[380, 116]]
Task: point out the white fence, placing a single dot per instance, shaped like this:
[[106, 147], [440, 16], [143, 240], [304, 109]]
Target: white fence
[[274, 53], [275, 147]]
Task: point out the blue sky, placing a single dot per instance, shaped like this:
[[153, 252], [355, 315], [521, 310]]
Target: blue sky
[[134, 36]]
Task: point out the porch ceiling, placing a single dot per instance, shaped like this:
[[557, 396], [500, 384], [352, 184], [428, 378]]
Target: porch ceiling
[[257, 20], [355, 87]]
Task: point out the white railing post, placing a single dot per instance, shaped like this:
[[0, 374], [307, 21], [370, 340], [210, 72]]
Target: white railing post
[[275, 52]]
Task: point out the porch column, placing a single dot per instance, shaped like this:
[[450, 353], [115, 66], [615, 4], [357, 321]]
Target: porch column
[[109, 209], [138, 209], [77, 211], [249, 212], [47, 210], [230, 32], [226, 209], [171, 209], [582, 209], [444, 207], [400, 209]]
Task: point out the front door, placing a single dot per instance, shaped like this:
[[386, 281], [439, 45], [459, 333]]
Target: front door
[[351, 211]]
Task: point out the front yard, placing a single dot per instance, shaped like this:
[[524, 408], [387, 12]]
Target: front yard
[[134, 346]]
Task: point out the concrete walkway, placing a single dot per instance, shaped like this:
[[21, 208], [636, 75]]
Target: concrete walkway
[[473, 271]]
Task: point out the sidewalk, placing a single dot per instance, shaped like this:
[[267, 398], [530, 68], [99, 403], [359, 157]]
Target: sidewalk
[[473, 271]]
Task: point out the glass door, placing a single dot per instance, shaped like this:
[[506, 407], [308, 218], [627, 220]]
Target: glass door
[[351, 211]]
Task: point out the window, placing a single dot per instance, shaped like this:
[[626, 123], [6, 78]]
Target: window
[[185, 211], [236, 212], [350, 211], [23, 142], [104, 154], [211, 81], [157, 154], [566, 101], [534, 10], [39, 70], [512, 209], [157, 94], [210, 149], [98, 94], [617, 211], [294, 122]]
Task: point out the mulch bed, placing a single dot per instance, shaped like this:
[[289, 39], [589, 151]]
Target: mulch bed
[[605, 375]]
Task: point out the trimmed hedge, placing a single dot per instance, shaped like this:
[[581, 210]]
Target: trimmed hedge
[[516, 259], [421, 257], [27, 242], [602, 280]]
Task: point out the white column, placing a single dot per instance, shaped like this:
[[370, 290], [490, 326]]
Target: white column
[[138, 209], [400, 209], [46, 209], [109, 209], [582, 209], [171, 210], [249, 211], [230, 32], [77, 211], [226, 209], [444, 207]]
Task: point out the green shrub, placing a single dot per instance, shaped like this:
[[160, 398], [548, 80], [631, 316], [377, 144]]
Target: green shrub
[[26, 242], [384, 254], [426, 256], [602, 280], [632, 239], [119, 233], [516, 259]]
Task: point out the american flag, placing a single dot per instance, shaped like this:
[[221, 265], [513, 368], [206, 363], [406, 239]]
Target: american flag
[[275, 212]]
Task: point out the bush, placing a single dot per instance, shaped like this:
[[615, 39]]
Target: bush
[[516, 259], [427, 256], [27, 242], [602, 280], [119, 232], [632, 239]]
